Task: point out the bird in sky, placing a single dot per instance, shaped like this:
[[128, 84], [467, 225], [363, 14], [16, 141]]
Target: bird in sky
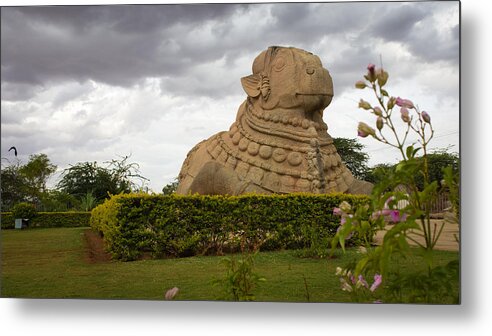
[[15, 150]]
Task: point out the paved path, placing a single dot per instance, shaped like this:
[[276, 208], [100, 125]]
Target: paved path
[[447, 240]]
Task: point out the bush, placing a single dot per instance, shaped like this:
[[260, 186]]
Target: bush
[[24, 210], [175, 225], [49, 219]]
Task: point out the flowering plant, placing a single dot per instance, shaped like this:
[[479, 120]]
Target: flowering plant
[[358, 287], [397, 199]]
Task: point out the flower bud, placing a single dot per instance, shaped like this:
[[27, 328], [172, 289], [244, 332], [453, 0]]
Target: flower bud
[[382, 77], [345, 206], [363, 130], [391, 103], [360, 84], [426, 117], [377, 111], [170, 294], [371, 72], [404, 103], [379, 123], [404, 115], [365, 105]]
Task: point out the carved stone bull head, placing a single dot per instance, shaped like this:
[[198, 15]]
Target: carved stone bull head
[[289, 80]]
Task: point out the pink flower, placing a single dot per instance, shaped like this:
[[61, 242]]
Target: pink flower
[[363, 281], [375, 215], [387, 202], [396, 217], [426, 117], [343, 220], [386, 212], [377, 281], [404, 103], [371, 67], [337, 211], [170, 294]]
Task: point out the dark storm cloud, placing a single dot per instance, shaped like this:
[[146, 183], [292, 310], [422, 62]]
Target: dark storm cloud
[[412, 24], [121, 45], [18, 91], [117, 45], [396, 23]]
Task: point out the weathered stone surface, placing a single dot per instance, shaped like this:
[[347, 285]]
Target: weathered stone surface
[[279, 142]]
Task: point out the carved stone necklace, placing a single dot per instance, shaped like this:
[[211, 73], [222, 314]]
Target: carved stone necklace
[[280, 160]]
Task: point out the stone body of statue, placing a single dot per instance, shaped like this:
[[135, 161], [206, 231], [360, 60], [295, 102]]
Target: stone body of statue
[[279, 142]]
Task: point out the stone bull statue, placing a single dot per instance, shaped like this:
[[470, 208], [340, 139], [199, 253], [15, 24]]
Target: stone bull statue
[[279, 142]]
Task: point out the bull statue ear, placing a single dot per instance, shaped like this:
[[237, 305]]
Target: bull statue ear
[[257, 84], [251, 85]]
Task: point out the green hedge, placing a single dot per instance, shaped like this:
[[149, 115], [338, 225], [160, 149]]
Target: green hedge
[[49, 219], [174, 225]]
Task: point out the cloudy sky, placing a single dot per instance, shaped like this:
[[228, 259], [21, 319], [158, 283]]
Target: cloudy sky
[[91, 83]]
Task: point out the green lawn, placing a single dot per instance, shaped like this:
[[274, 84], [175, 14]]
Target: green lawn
[[53, 263]]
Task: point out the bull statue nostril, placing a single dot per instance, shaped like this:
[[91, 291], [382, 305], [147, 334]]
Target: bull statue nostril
[[310, 71]]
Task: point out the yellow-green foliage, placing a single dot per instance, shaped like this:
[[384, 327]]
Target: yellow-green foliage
[[50, 219], [175, 225]]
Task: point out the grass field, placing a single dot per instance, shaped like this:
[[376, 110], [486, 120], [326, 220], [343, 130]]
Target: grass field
[[55, 263]]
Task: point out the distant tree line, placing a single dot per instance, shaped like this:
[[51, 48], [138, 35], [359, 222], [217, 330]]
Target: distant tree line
[[352, 153], [81, 187], [84, 185]]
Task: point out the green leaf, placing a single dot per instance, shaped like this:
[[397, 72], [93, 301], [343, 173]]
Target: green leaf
[[410, 151]]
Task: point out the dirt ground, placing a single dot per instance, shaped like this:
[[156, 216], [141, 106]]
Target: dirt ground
[[95, 252]]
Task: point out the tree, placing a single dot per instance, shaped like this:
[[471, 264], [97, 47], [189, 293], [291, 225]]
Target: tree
[[353, 157], [379, 172], [26, 183], [171, 187], [56, 200], [13, 186], [36, 172], [436, 161], [125, 173], [88, 178]]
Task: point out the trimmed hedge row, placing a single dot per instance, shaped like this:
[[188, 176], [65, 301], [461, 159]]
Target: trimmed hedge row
[[174, 225], [49, 219]]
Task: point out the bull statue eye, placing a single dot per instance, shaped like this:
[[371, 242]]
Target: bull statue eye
[[279, 64]]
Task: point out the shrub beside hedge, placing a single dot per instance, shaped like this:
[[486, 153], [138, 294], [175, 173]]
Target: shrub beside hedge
[[49, 219], [173, 225]]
